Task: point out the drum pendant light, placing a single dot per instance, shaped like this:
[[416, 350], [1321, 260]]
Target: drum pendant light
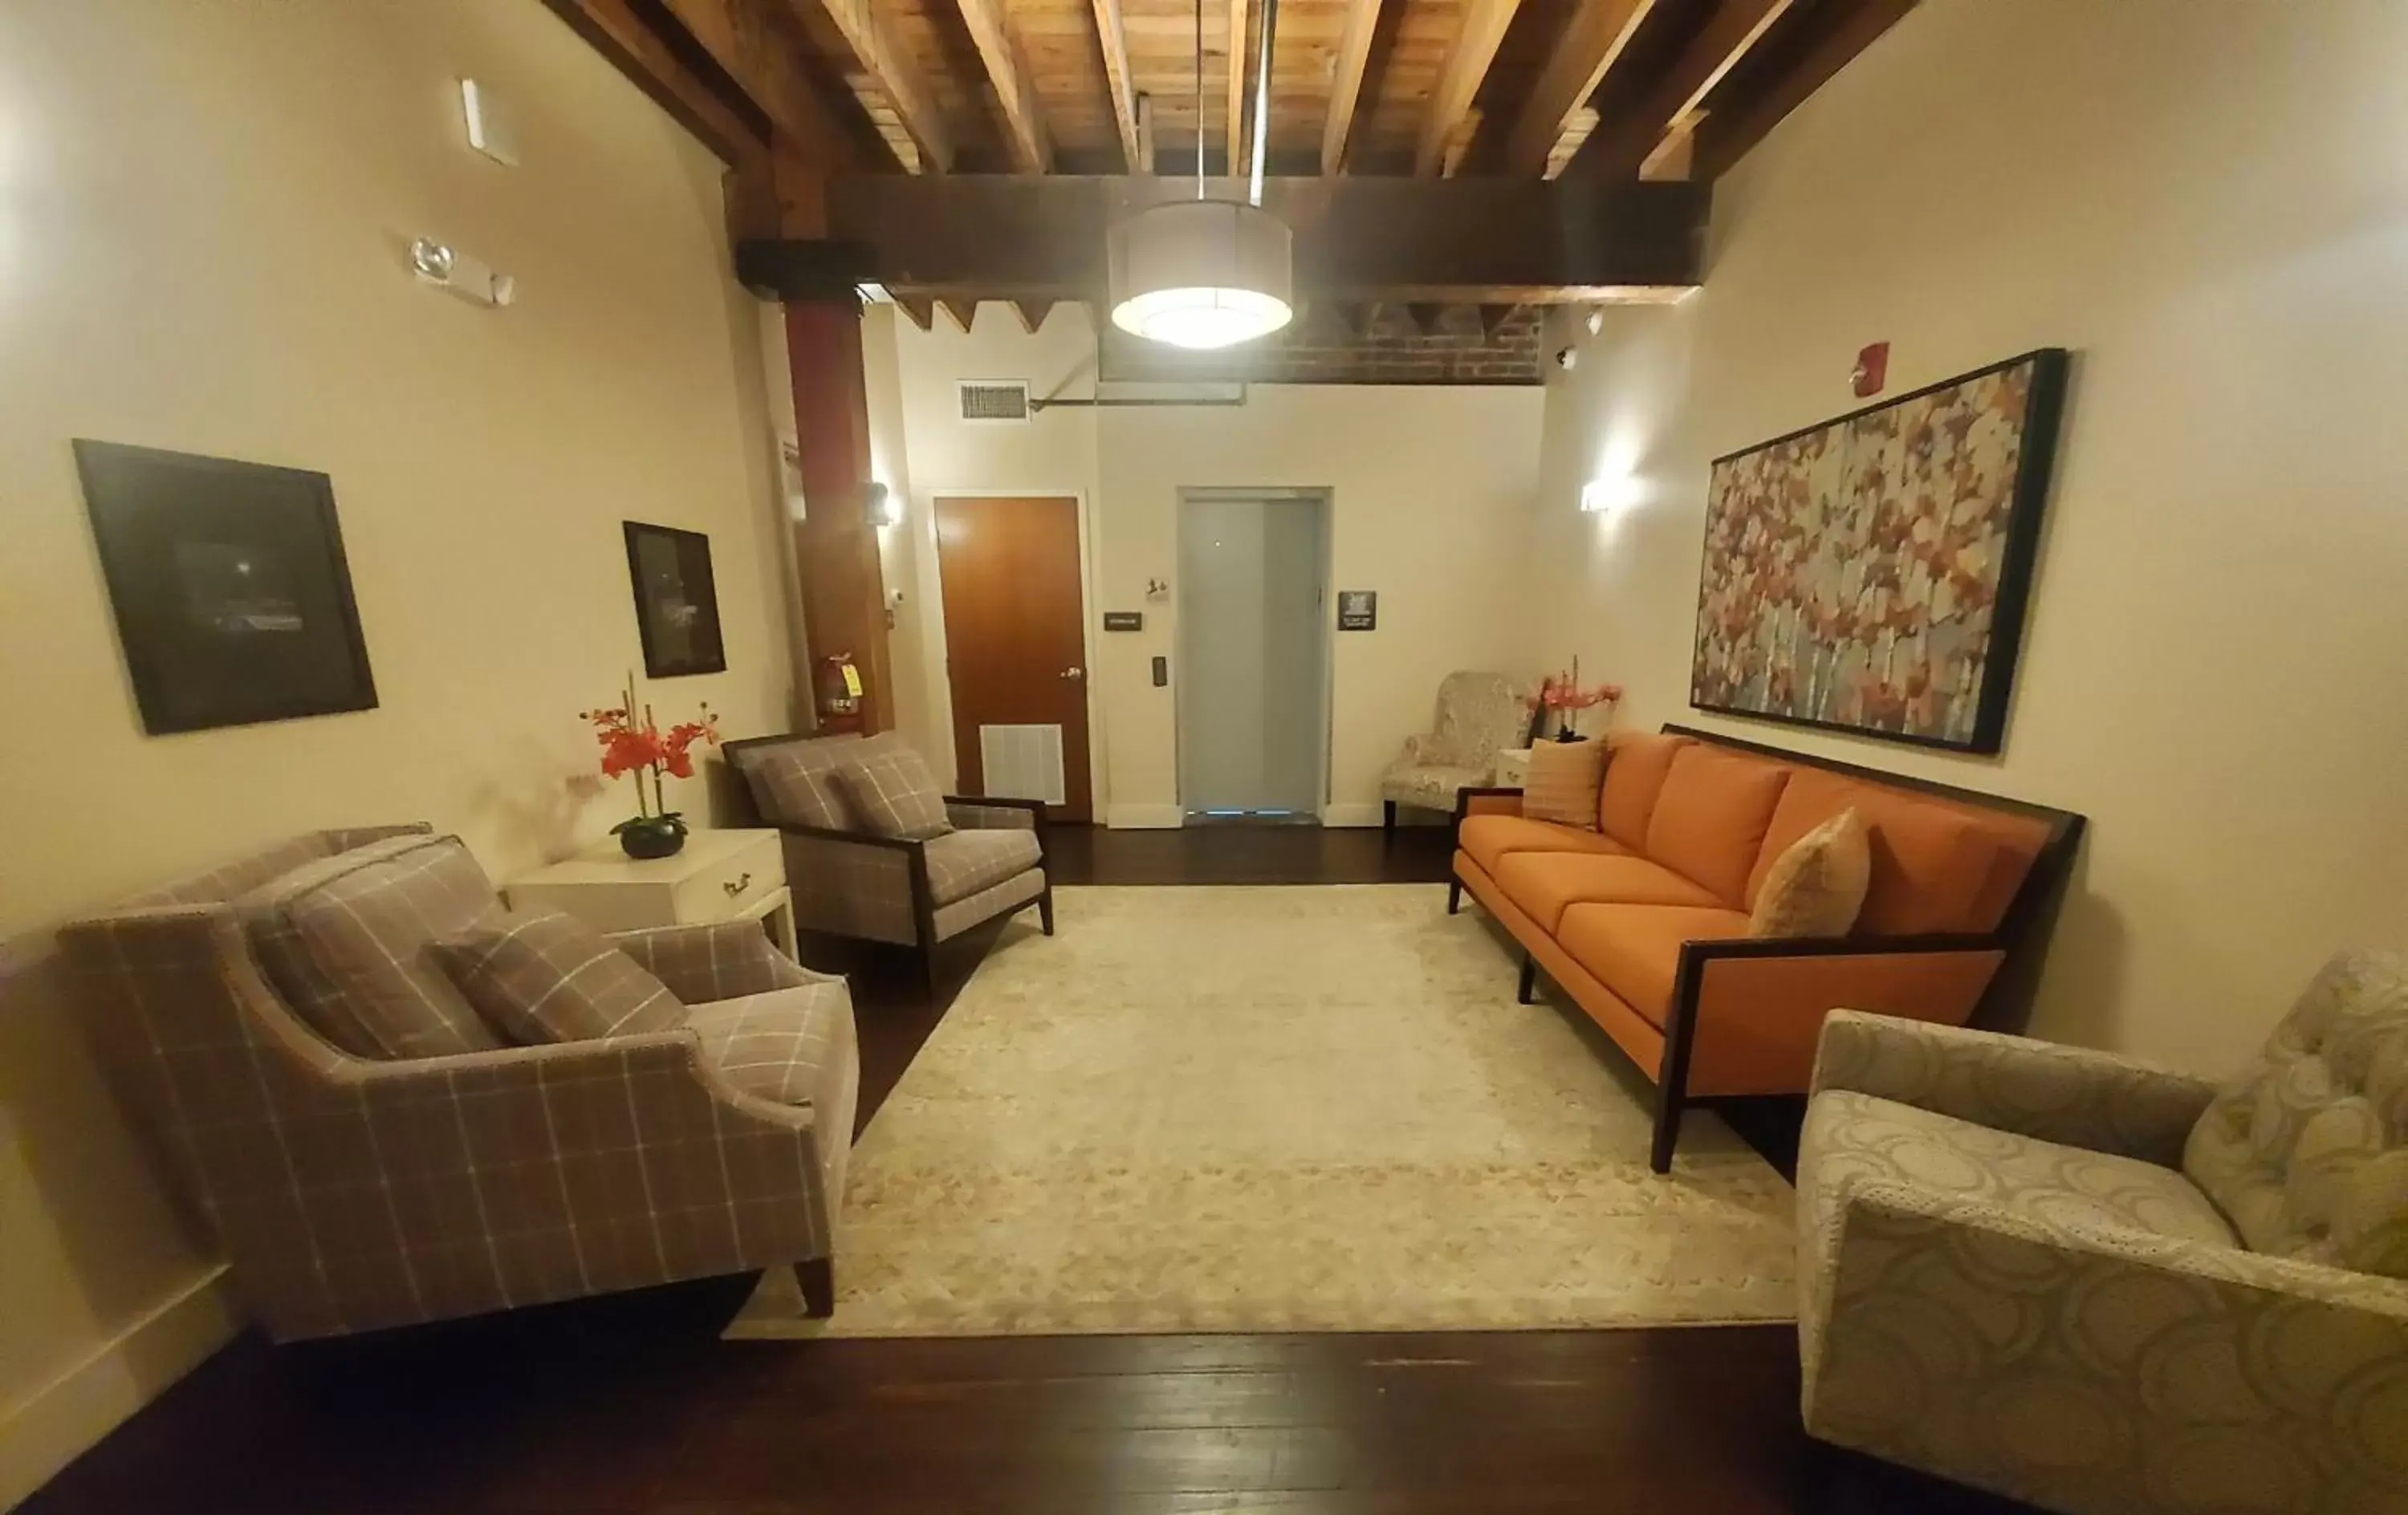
[[1207, 273]]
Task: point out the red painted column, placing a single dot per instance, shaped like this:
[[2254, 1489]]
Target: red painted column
[[835, 545]]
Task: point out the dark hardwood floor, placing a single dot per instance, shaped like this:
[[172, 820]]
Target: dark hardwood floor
[[630, 1404]]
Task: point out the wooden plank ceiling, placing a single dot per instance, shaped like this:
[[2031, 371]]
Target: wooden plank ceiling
[[1612, 91]]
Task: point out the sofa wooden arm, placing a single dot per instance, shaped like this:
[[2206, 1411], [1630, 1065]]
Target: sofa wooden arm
[[1746, 1013], [2072, 1095], [1485, 799]]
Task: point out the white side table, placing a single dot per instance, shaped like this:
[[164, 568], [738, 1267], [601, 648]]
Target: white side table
[[1512, 767], [736, 875]]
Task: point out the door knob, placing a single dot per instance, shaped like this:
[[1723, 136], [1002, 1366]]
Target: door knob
[[1074, 673]]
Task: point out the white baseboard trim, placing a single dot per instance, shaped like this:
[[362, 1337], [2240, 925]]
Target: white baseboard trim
[[1356, 814], [52, 1427], [1145, 818]]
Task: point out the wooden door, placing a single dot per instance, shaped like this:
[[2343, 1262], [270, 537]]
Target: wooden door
[[1015, 632]]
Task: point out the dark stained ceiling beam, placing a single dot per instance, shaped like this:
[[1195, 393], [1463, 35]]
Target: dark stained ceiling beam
[[1592, 42], [891, 70], [1832, 35], [1458, 83], [759, 48], [1358, 237], [1626, 137], [1015, 96], [1346, 82], [702, 100]]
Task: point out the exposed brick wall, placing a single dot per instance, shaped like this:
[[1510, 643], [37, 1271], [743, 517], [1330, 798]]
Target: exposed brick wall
[[1324, 348]]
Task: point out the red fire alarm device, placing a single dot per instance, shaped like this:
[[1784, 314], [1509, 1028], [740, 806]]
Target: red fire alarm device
[[1873, 370]]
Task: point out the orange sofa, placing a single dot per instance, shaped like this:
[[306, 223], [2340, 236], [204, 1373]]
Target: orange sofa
[[1643, 921]]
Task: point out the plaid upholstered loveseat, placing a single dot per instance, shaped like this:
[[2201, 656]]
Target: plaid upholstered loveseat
[[371, 1154]]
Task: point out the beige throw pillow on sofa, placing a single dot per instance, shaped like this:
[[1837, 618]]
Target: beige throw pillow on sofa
[[1817, 886], [1562, 783]]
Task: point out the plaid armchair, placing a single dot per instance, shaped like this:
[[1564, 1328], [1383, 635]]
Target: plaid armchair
[[2110, 1288], [848, 881], [354, 1189]]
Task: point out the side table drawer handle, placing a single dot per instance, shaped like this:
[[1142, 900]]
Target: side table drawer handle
[[739, 884]]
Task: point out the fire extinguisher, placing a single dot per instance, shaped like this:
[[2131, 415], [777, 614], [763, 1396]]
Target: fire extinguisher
[[839, 692]]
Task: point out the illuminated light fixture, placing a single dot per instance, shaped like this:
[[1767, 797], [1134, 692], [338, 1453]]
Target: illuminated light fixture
[[1600, 495], [1596, 318], [879, 504], [1207, 273]]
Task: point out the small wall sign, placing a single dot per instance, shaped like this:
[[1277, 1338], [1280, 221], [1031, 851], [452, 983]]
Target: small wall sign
[[1358, 609], [1125, 620]]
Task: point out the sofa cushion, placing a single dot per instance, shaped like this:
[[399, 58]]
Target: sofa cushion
[[1930, 859], [2307, 1152], [345, 940], [539, 977], [791, 1045], [1635, 950], [1710, 821], [892, 793], [1489, 838], [962, 863], [1635, 767], [1817, 887], [793, 783], [1543, 884]]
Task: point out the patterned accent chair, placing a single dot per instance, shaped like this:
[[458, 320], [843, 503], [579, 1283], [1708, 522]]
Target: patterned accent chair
[[371, 1154], [2099, 1287], [1479, 716], [849, 882]]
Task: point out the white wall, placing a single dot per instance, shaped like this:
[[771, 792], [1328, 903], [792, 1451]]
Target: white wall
[[203, 213], [2206, 200], [1431, 490]]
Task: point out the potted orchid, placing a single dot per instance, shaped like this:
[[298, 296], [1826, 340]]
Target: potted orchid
[[630, 746], [1563, 694]]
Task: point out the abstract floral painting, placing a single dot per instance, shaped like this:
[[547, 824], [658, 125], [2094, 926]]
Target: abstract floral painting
[[1869, 573]]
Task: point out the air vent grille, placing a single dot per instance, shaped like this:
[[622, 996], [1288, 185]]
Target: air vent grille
[[994, 401]]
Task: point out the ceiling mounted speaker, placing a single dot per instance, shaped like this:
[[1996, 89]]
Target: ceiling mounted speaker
[[1201, 274]]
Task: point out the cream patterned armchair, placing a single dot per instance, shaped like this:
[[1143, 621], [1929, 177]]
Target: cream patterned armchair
[[370, 1153], [2099, 1287], [1479, 716]]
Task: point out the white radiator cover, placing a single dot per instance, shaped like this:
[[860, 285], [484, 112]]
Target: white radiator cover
[[1022, 763]]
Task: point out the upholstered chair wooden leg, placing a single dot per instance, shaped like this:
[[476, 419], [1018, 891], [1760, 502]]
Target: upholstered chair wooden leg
[[818, 1278], [1528, 993], [1387, 815], [1454, 895], [1045, 909]]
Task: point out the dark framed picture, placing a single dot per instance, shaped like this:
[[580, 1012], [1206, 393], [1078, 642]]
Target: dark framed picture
[[227, 579], [1358, 609], [1869, 575], [677, 606]]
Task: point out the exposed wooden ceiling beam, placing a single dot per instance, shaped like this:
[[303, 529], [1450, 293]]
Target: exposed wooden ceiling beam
[[1839, 31], [1237, 122], [1467, 64], [1032, 313], [727, 122], [1592, 42], [919, 312], [755, 44], [963, 311], [1628, 136], [1113, 43], [1346, 84], [1493, 319], [1358, 237], [891, 69], [1015, 97]]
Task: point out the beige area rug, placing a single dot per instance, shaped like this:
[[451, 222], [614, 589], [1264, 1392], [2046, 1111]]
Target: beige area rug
[[1307, 1109]]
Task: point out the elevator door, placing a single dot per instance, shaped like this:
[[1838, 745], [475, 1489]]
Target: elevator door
[[1253, 723]]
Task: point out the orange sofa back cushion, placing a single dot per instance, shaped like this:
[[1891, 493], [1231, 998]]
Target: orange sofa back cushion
[[1938, 866], [1635, 767], [1711, 818]]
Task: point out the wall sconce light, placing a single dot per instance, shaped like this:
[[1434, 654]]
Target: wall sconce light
[[1601, 496], [879, 504], [1596, 318], [1567, 359]]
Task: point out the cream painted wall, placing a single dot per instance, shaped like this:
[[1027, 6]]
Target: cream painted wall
[[2208, 202], [203, 213], [1431, 498]]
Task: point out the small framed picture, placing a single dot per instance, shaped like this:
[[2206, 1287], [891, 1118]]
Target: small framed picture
[[227, 580], [677, 604]]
